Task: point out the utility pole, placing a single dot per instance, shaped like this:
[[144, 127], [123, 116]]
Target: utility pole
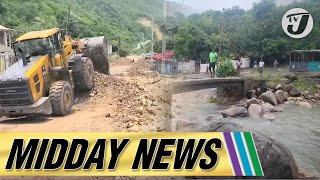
[[68, 19], [222, 31], [164, 27], [152, 38], [119, 45]]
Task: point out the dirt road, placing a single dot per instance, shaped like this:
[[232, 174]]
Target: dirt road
[[133, 98]]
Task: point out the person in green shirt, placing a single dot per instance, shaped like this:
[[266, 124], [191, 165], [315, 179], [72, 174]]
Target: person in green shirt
[[213, 57]]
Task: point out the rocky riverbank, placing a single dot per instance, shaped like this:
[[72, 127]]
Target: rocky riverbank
[[264, 102], [283, 110], [295, 128]]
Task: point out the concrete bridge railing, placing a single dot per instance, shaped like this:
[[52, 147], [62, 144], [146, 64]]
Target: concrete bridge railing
[[193, 85]]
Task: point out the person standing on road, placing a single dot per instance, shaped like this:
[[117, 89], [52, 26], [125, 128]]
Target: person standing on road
[[261, 67], [255, 64], [238, 64], [275, 64], [213, 57]]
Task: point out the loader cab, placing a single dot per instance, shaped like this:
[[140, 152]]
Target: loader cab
[[50, 42], [31, 48]]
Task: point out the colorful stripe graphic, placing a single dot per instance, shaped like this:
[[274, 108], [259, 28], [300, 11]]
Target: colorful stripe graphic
[[237, 155], [243, 154]]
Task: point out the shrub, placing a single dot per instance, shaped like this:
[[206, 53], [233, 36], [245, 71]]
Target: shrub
[[225, 68], [123, 53], [304, 84]]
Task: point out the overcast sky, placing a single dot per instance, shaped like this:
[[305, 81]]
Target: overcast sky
[[203, 5]]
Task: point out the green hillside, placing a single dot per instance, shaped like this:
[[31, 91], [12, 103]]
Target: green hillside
[[234, 32], [112, 18]]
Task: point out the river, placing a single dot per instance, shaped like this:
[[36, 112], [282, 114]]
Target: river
[[296, 127]]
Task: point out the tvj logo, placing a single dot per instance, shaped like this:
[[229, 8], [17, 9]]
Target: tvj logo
[[297, 23]]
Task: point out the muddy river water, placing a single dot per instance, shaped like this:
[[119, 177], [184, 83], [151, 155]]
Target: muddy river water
[[296, 127]]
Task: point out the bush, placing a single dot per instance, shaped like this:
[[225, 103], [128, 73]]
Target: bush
[[303, 84], [123, 53], [225, 68]]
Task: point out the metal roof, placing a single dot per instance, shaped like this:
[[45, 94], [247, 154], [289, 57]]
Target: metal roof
[[37, 34]]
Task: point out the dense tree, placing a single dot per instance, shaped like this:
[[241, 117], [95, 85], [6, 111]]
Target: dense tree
[[256, 33], [2, 8]]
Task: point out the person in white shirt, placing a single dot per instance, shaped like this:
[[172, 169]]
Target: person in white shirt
[[261, 66]]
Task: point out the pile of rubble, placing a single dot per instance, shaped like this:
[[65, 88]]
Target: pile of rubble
[[122, 62], [143, 67], [139, 100]]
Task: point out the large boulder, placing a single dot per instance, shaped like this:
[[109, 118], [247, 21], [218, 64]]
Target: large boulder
[[252, 101], [267, 107], [289, 102], [236, 111], [286, 96], [281, 96], [242, 103], [278, 109], [261, 89], [295, 93], [269, 116], [317, 96], [288, 87], [305, 104], [269, 97], [307, 95], [255, 111], [276, 160], [278, 87]]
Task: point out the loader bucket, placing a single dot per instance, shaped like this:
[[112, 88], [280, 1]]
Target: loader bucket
[[97, 49]]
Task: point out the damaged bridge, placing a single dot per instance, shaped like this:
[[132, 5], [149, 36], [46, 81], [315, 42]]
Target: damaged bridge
[[228, 89], [193, 85]]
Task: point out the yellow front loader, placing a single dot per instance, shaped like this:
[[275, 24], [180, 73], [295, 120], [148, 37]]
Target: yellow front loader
[[49, 67]]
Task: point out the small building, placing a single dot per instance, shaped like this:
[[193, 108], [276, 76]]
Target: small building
[[165, 63], [5, 40], [6, 51], [305, 61]]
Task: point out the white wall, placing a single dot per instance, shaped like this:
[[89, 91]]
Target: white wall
[[187, 67], [203, 68]]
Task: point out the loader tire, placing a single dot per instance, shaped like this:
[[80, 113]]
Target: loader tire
[[61, 96], [84, 75]]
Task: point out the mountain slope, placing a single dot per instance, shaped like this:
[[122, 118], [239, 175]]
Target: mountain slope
[[116, 19]]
